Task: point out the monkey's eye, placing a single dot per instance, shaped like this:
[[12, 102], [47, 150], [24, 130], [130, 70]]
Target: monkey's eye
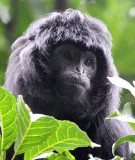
[[87, 62]]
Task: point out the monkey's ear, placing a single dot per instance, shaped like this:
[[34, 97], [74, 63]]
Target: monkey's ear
[[20, 64], [27, 61], [19, 42], [24, 48], [22, 41]]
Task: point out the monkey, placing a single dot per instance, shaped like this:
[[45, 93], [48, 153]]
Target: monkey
[[60, 66]]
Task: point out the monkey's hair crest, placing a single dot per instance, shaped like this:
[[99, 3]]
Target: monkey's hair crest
[[69, 25]]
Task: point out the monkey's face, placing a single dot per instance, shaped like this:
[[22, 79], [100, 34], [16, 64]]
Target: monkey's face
[[73, 69]]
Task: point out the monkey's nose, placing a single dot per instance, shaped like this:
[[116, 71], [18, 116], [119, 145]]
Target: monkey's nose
[[79, 70]]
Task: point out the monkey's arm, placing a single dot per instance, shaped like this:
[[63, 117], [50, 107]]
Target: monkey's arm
[[107, 134]]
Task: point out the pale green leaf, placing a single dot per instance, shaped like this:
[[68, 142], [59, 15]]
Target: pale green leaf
[[67, 137], [128, 114], [41, 156], [0, 149], [5, 2], [31, 133], [118, 158], [8, 118], [69, 155], [130, 138], [58, 157]]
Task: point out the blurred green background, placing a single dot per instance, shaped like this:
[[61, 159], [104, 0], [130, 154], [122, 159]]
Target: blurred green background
[[119, 15]]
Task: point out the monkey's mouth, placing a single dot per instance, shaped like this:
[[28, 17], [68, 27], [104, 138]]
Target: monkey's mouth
[[76, 82]]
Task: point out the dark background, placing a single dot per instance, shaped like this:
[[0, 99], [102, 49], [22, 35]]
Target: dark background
[[119, 16]]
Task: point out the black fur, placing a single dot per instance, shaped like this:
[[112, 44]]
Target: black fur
[[29, 73]]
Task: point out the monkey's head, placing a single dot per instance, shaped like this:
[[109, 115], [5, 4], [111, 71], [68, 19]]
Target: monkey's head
[[66, 55], [73, 69]]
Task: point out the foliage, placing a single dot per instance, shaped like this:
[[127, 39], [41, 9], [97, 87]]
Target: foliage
[[8, 120], [36, 134], [128, 115], [58, 156], [42, 135]]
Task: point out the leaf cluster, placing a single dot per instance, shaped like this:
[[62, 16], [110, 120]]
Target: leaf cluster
[[128, 115], [34, 138]]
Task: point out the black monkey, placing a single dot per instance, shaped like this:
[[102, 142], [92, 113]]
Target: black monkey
[[60, 67]]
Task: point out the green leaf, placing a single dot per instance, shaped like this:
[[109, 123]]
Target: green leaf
[[118, 158], [31, 133], [67, 137], [2, 153], [57, 157], [5, 2], [130, 138], [0, 148], [128, 114], [69, 155], [8, 118]]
